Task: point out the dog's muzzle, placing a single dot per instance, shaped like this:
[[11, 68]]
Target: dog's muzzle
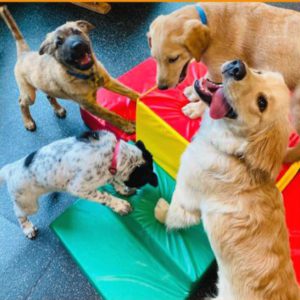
[[235, 69], [77, 53]]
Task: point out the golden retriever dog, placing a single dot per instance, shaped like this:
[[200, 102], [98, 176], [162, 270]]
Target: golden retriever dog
[[227, 177], [65, 67], [263, 36]]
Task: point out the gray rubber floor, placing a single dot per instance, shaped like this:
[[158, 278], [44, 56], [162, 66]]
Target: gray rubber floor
[[42, 269]]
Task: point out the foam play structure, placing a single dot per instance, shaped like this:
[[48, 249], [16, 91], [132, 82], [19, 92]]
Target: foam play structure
[[133, 257]]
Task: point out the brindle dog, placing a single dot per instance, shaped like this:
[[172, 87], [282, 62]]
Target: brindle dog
[[65, 67]]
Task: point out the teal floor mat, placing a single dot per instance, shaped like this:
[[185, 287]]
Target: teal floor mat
[[134, 257]]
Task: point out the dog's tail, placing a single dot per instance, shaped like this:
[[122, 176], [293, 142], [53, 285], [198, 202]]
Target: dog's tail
[[12, 25]]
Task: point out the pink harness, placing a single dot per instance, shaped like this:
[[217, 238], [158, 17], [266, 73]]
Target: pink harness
[[113, 166]]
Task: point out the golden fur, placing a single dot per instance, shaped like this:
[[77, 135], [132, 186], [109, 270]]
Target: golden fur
[[235, 31], [263, 36], [227, 176]]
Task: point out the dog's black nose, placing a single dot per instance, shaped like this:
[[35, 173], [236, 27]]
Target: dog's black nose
[[162, 87], [235, 69], [78, 46]]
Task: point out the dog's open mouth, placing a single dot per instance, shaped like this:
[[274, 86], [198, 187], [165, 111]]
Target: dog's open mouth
[[85, 62], [183, 72], [213, 95]]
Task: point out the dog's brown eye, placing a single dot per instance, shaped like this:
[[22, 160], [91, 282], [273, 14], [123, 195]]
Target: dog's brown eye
[[59, 41], [262, 103], [173, 59]]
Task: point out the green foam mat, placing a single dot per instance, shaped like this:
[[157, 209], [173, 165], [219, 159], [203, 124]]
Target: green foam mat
[[134, 257]]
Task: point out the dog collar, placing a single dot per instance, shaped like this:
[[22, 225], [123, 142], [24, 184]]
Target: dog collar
[[113, 166], [80, 75], [202, 14]]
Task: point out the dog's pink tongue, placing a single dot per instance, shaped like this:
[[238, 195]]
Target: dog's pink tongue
[[85, 60], [219, 106]]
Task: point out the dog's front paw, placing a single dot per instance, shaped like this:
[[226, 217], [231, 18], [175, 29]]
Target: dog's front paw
[[30, 231], [61, 113], [129, 127], [30, 125], [161, 210], [121, 207], [194, 110], [191, 94], [135, 95]]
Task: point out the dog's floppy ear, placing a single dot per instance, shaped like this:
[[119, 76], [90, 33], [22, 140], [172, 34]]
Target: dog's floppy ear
[[46, 46], [266, 148], [152, 28], [195, 38], [85, 26], [140, 145]]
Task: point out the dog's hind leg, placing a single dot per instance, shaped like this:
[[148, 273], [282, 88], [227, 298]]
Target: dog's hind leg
[[182, 211], [27, 98], [58, 109], [25, 205], [28, 121]]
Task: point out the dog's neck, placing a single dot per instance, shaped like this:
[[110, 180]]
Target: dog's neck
[[231, 144], [128, 158], [221, 136], [78, 74]]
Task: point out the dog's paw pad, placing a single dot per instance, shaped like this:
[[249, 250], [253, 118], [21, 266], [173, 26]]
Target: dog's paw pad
[[122, 207], [161, 210], [61, 113]]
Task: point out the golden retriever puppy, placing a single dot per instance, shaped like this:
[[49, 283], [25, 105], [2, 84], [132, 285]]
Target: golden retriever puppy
[[227, 175], [263, 36]]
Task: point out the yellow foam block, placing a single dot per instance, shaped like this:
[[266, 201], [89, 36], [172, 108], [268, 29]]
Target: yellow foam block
[[165, 143]]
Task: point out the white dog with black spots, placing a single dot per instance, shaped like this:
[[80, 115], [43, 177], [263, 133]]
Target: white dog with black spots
[[78, 165]]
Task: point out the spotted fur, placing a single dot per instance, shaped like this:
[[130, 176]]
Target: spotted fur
[[78, 165]]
